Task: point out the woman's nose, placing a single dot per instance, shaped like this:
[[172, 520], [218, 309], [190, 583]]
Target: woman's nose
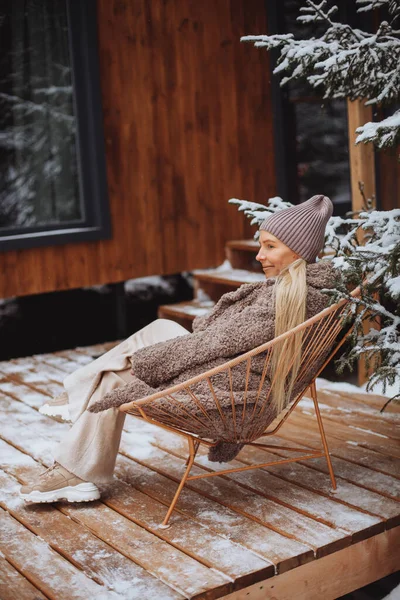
[[258, 257]]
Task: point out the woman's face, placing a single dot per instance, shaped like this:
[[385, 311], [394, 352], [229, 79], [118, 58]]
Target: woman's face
[[274, 255]]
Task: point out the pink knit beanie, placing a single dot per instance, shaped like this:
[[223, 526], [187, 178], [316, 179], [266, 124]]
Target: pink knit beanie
[[302, 227]]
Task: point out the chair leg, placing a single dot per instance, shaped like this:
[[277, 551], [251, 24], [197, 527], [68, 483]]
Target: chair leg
[[196, 447], [189, 464], [313, 389]]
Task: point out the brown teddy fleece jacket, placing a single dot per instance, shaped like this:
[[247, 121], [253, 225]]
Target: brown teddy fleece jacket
[[240, 321]]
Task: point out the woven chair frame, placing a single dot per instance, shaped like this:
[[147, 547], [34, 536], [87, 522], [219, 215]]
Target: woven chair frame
[[318, 336]]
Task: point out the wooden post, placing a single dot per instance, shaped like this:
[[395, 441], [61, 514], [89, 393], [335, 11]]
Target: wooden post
[[362, 170], [362, 159]]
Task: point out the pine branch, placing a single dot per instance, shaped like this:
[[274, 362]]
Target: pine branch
[[344, 62], [384, 134]]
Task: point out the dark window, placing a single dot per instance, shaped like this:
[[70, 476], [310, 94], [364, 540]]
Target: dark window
[[313, 156], [52, 164]]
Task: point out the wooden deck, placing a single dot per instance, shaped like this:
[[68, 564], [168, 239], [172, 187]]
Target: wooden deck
[[274, 533]]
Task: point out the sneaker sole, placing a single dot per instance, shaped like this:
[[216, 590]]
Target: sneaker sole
[[83, 492], [56, 412]]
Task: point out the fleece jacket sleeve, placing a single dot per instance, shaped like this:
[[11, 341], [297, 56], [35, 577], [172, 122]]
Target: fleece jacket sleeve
[[163, 361]]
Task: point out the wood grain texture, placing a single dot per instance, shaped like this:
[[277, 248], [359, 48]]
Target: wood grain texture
[[54, 576], [14, 585], [388, 185], [370, 560], [68, 532], [362, 164], [188, 125]]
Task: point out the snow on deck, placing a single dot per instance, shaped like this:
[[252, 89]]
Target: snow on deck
[[226, 534]]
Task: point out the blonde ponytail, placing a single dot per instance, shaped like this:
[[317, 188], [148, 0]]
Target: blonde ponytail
[[290, 293]]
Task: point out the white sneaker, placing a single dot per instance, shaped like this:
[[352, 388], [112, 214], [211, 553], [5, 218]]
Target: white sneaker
[[57, 408], [57, 483]]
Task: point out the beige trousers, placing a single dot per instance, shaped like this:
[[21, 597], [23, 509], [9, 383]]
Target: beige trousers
[[89, 449]]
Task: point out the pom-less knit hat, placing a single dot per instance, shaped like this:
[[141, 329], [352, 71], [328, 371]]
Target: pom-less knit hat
[[302, 227]]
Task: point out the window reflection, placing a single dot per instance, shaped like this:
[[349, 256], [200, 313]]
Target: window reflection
[[317, 129], [39, 183]]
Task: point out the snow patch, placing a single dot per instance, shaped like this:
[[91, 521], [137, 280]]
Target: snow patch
[[368, 431], [135, 286], [342, 386]]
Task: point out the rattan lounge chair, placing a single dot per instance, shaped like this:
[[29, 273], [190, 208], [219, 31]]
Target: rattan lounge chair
[[198, 410]]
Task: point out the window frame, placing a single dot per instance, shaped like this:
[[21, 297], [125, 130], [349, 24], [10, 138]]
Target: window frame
[[91, 157]]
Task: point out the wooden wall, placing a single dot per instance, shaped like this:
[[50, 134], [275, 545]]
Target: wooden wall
[[188, 124], [388, 188]]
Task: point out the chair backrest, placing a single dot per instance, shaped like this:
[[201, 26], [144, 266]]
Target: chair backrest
[[232, 402]]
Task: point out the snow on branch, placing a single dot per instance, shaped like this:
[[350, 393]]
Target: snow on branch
[[258, 212], [386, 133], [371, 4], [344, 62]]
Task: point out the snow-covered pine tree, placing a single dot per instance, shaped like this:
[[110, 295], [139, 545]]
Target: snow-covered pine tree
[[350, 63], [346, 62]]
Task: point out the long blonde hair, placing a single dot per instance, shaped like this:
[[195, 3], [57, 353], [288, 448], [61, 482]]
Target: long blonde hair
[[290, 293]]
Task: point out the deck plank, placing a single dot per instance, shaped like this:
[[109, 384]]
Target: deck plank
[[318, 480], [305, 502], [297, 474], [55, 576], [43, 433], [41, 445], [346, 449], [75, 542], [303, 475], [332, 577], [353, 472], [234, 558], [368, 399], [57, 361], [288, 500], [344, 432], [231, 531], [365, 404], [22, 393], [284, 553], [292, 524], [36, 381], [290, 490], [335, 409], [82, 358], [359, 477], [191, 537], [14, 586]]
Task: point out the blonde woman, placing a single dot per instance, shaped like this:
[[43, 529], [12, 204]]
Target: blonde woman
[[164, 353]]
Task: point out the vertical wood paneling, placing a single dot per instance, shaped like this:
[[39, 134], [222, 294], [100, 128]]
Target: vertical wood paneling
[[389, 178], [362, 157], [188, 124]]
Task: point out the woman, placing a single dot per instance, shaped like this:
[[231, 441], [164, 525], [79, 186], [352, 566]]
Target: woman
[[164, 353]]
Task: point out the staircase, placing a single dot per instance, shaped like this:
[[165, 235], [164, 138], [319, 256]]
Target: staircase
[[239, 267]]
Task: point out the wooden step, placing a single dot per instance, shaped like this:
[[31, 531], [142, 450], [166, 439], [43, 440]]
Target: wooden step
[[216, 282], [209, 286], [242, 255], [240, 267], [185, 312]]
